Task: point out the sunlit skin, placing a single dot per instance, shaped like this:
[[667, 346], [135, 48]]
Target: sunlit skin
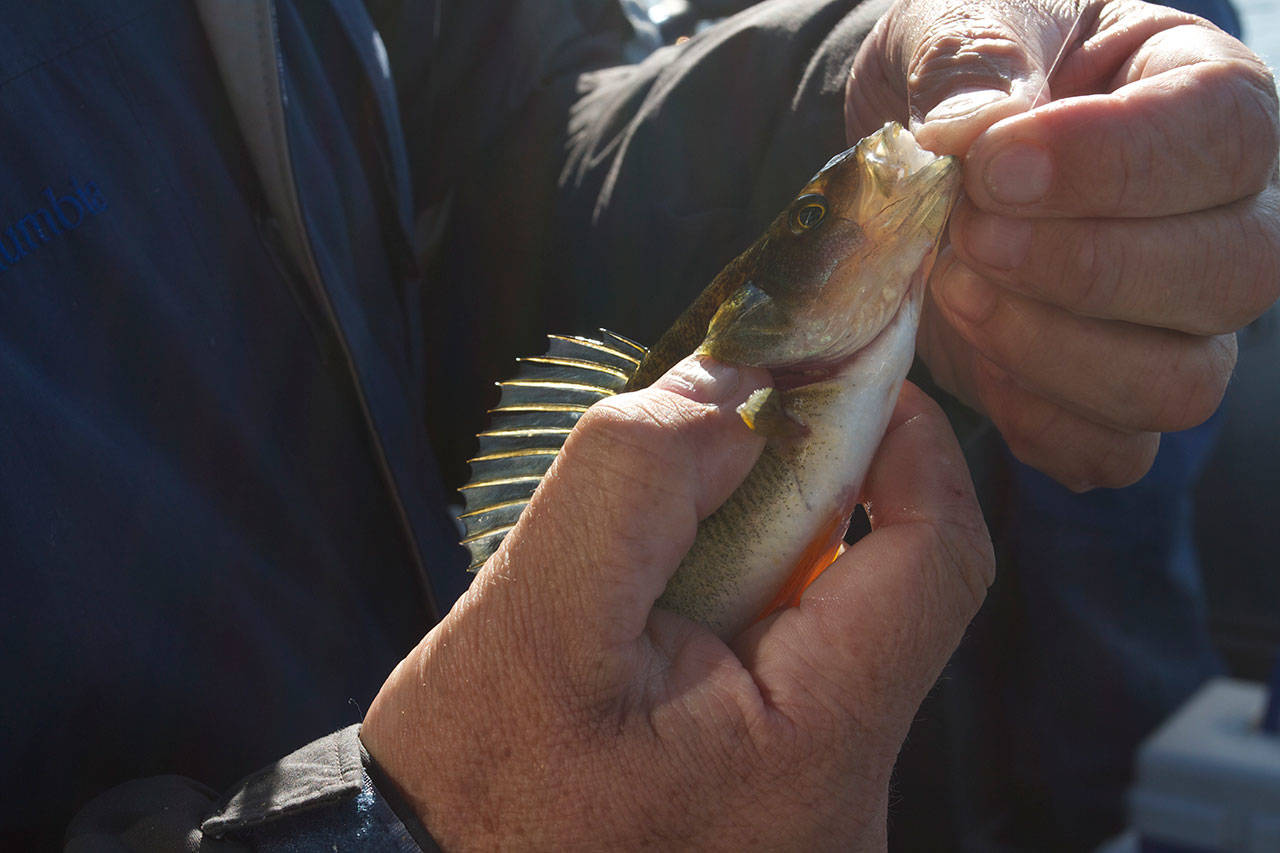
[[555, 708], [1121, 220]]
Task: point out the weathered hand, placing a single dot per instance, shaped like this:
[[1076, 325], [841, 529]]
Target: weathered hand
[[553, 708], [1113, 238]]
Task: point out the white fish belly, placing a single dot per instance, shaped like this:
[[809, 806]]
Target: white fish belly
[[746, 551]]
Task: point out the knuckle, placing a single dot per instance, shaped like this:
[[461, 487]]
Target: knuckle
[[1260, 280], [1009, 339], [819, 704], [625, 452], [1198, 383], [1123, 460], [627, 421], [1131, 178], [956, 37], [1097, 265], [1235, 154], [1077, 454], [605, 420], [965, 552], [1072, 473], [1254, 104], [1032, 429], [1238, 269], [961, 44], [1027, 449]]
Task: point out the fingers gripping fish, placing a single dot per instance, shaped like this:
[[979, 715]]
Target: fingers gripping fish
[[828, 299]]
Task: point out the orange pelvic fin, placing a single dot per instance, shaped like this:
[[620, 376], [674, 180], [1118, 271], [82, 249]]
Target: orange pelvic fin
[[822, 552]]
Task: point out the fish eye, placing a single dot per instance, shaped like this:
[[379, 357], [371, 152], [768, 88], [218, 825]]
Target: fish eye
[[808, 212]]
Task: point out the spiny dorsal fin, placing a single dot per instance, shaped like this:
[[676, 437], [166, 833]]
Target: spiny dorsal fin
[[536, 412]]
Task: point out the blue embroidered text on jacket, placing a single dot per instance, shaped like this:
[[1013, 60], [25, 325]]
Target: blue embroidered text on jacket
[[62, 214]]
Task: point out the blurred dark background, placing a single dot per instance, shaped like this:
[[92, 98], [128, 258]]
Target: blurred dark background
[[1238, 509]]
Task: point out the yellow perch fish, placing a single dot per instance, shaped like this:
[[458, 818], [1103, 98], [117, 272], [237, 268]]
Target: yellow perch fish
[[828, 299]]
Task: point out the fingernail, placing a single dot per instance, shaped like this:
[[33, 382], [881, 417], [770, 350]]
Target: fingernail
[[966, 294], [963, 102], [1020, 173], [998, 241], [704, 380]]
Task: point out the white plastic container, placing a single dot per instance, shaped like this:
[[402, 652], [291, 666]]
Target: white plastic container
[[1209, 778]]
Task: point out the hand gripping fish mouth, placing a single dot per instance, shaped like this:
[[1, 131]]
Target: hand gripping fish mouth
[[840, 261], [828, 299]]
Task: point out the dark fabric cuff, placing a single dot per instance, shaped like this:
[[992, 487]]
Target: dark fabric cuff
[[399, 807], [323, 771], [318, 798]]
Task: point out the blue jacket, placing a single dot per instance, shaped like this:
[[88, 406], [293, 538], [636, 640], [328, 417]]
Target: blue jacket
[[218, 504], [222, 519]]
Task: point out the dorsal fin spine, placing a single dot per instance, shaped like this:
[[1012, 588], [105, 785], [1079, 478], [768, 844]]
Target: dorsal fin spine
[[530, 425]]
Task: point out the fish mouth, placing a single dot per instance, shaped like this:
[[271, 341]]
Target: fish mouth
[[921, 201]]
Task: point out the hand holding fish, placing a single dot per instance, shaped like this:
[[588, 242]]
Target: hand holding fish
[[554, 708], [1122, 217]]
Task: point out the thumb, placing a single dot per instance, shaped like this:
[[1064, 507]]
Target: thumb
[[882, 620], [620, 505], [962, 66]]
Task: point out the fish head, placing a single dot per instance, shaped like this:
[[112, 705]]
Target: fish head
[[836, 265]]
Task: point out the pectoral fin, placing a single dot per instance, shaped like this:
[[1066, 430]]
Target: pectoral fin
[[765, 412]]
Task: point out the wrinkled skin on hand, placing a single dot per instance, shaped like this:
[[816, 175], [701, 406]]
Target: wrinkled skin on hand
[[554, 708], [1117, 230]]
